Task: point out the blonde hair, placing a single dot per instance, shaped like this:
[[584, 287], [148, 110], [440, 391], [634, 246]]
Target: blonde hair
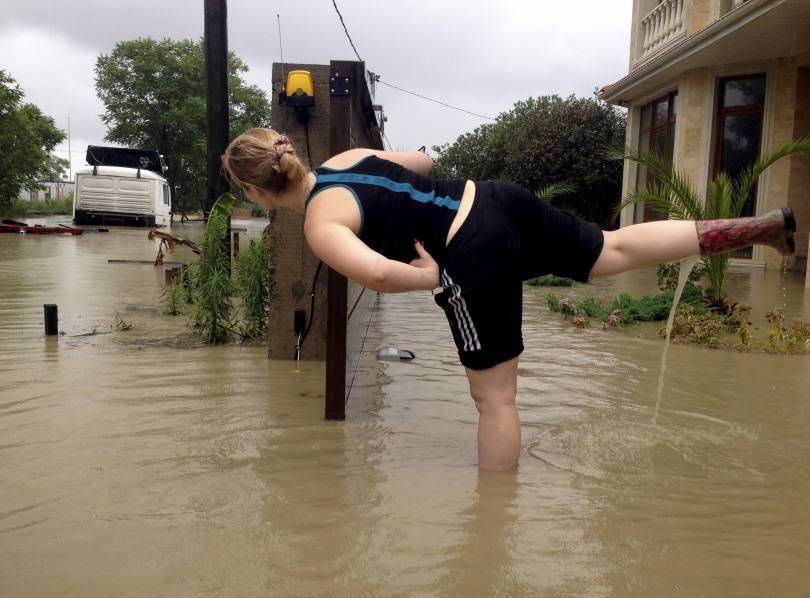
[[263, 158]]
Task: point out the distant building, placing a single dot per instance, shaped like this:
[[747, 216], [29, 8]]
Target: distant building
[[713, 84], [51, 190]]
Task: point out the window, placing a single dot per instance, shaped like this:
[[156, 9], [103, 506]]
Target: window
[[657, 135], [740, 109], [165, 195]]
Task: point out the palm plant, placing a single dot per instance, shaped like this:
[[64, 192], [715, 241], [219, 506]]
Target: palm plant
[[672, 193], [554, 190]]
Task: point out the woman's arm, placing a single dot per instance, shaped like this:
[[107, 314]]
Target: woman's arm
[[417, 161], [412, 160], [338, 246]]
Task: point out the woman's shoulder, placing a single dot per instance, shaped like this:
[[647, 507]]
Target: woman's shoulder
[[348, 159]]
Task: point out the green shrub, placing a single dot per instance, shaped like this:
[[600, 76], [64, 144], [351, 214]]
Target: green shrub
[[212, 316], [253, 281], [707, 328], [783, 338], [172, 297], [549, 280], [667, 275], [625, 308]]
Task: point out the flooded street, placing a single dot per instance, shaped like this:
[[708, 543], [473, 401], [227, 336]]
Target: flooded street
[[142, 463]]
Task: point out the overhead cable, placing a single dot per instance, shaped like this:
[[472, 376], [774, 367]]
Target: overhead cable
[[356, 53], [413, 93]]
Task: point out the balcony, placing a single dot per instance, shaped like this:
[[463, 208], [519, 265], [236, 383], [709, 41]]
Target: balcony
[[663, 25]]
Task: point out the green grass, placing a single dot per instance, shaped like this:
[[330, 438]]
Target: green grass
[[19, 208]]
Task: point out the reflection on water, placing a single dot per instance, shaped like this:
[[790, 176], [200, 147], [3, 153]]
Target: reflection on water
[[142, 463]]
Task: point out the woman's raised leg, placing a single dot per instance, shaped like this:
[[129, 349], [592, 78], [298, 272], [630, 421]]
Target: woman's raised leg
[[669, 240], [494, 390]]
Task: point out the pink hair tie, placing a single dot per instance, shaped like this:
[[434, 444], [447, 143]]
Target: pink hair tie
[[281, 146]]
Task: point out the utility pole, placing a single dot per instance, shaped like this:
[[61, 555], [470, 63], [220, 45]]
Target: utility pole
[[70, 154], [216, 80]]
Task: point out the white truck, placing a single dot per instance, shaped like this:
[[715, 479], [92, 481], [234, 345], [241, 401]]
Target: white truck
[[122, 186]]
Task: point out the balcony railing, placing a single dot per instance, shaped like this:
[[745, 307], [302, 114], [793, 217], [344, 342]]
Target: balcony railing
[[662, 25]]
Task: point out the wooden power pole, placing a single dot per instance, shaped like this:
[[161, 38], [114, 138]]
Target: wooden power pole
[[216, 80]]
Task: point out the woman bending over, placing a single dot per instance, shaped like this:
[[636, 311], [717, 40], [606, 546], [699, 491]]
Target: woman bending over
[[379, 219]]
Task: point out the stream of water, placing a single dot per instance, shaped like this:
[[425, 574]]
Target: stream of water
[[684, 271]]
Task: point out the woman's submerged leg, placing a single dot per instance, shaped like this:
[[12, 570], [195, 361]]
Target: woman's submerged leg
[[494, 390], [669, 240]]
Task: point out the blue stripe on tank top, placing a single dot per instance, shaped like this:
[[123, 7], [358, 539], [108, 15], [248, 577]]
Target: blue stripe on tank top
[[416, 195]]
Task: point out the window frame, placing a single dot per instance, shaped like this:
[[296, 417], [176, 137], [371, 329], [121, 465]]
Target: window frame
[[720, 114], [669, 125]]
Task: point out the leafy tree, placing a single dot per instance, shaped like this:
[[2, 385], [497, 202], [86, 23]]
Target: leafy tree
[[27, 136], [544, 141], [154, 97]]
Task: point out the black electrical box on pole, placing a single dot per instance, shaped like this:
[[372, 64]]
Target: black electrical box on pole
[[216, 80]]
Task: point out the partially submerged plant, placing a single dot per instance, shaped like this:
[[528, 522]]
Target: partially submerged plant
[[567, 307], [614, 321], [120, 324], [549, 280], [782, 338], [667, 275], [625, 308], [580, 321], [253, 282], [212, 316], [705, 328], [746, 339], [173, 297]]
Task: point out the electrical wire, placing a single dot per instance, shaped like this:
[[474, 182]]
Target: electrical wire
[[413, 93], [311, 310], [342, 22], [281, 53], [306, 137]]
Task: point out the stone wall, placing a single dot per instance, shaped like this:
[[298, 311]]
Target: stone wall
[[698, 15], [799, 194]]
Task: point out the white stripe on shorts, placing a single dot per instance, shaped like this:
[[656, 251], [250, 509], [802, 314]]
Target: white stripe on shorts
[[463, 319]]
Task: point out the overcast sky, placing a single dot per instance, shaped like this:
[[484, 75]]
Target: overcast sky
[[481, 56]]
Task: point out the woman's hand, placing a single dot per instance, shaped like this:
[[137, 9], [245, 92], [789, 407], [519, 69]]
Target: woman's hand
[[428, 265]]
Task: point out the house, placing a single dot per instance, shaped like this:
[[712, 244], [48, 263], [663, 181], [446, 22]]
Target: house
[[49, 190], [713, 84]]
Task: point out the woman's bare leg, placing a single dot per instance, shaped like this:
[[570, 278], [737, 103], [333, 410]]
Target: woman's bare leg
[[669, 240], [646, 244], [494, 390]]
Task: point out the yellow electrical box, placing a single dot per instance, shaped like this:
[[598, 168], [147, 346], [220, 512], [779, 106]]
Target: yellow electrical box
[[299, 83]]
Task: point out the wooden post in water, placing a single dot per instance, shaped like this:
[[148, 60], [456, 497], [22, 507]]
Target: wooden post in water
[[172, 275], [216, 101], [51, 319], [352, 123], [340, 103]]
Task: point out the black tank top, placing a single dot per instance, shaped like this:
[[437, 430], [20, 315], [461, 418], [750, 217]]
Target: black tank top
[[396, 205]]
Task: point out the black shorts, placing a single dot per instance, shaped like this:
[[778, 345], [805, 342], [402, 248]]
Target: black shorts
[[509, 236]]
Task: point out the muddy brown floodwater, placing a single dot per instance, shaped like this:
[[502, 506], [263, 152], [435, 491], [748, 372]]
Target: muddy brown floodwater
[[141, 463]]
